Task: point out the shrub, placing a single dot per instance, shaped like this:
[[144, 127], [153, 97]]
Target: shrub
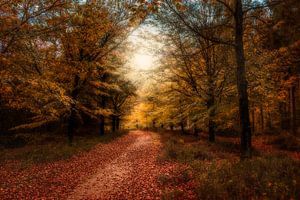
[[228, 132], [11, 142], [176, 150], [172, 195], [260, 178], [48, 148], [286, 141], [163, 179]]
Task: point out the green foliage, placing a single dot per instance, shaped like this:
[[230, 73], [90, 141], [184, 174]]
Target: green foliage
[[266, 177]]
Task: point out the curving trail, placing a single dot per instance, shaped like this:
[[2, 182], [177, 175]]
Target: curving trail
[[126, 168], [132, 175]]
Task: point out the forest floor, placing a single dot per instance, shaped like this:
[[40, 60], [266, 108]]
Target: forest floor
[[126, 168], [166, 165]]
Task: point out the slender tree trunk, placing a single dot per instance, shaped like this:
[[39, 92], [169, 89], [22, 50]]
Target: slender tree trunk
[[103, 106], [211, 131], [211, 116], [288, 107], [195, 129], [172, 127], [253, 119], [284, 119], [71, 126], [153, 124], [102, 117], [182, 127], [293, 110], [262, 118], [118, 123], [102, 125], [113, 123], [269, 122], [72, 117], [242, 82]]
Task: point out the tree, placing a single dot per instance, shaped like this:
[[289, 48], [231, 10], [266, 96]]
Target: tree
[[121, 101], [196, 70], [230, 17], [57, 62]]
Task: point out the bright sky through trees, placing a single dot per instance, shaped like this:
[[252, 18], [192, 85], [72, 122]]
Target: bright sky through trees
[[143, 61], [143, 46], [149, 99]]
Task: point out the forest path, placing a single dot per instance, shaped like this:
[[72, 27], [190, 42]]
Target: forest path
[[132, 175]]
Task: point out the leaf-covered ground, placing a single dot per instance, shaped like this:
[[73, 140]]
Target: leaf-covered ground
[[126, 168], [147, 165]]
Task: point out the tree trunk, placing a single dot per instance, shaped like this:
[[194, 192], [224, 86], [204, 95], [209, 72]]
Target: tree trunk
[[182, 127], [113, 123], [242, 82], [153, 124], [117, 123], [269, 121], [262, 118], [172, 127], [211, 108], [72, 117], [211, 131], [211, 116], [102, 125], [195, 129], [253, 119], [71, 126], [102, 117], [284, 116], [293, 110]]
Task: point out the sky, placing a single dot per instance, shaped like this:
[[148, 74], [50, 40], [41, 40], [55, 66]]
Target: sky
[[143, 55]]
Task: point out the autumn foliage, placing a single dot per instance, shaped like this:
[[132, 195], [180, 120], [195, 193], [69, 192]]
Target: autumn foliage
[[223, 103]]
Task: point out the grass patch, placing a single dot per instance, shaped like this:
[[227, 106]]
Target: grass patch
[[172, 195], [286, 141], [163, 179], [175, 149], [227, 133], [218, 173], [259, 178], [44, 148], [176, 178]]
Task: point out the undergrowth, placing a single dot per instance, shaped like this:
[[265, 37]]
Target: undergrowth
[[258, 178], [43, 148], [219, 174], [286, 141]]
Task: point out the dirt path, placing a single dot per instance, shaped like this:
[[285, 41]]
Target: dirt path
[[132, 175], [126, 168]]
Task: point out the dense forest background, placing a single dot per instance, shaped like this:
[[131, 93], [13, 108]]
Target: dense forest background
[[149, 99], [222, 72], [60, 64], [227, 66]]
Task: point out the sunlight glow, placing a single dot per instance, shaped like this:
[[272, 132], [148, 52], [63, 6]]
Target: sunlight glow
[[141, 61]]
